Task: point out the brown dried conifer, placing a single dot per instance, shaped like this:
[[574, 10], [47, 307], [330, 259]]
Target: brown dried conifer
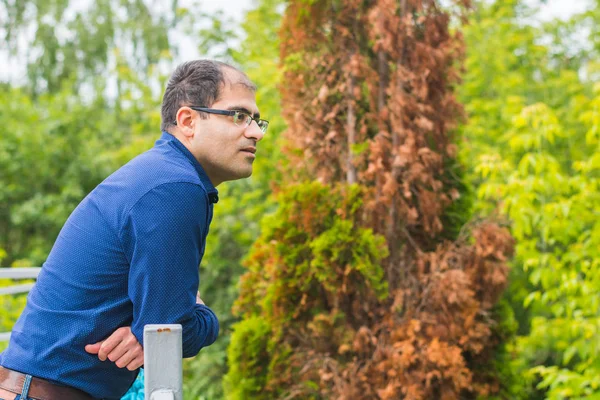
[[367, 94]]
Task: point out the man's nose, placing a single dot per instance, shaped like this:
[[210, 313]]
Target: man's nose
[[253, 131]]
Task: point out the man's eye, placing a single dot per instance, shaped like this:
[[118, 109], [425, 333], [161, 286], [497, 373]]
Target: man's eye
[[241, 117]]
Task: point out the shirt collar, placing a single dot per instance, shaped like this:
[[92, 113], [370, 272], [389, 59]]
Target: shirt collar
[[213, 194]]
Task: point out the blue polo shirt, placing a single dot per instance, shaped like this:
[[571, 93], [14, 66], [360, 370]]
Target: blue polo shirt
[[127, 256]]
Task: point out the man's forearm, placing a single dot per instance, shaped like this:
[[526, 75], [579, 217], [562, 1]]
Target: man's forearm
[[201, 331]]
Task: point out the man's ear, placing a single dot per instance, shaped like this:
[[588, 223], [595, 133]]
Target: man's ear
[[185, 121]]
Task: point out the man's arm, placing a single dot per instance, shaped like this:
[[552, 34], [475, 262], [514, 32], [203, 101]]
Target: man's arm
[[122, 347], [162, 238]]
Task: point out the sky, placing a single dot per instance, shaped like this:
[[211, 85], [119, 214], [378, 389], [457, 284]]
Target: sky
[[561, 8]]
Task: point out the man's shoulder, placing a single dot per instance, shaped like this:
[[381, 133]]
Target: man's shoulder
[[151, 171], [159, 166]]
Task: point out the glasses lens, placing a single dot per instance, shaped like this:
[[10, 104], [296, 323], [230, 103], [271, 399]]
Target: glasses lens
[[240, 118], [263, 125]]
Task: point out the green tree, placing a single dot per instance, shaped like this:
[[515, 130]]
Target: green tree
[[80, 44], [531, 146]]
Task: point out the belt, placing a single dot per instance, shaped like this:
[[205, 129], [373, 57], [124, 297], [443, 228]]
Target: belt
[[39, 389]]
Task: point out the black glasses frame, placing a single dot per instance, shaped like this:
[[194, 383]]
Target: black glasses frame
[[263, 124]]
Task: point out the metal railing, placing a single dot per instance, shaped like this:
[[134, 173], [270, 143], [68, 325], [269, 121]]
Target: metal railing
[[17, 273], [163, 371]]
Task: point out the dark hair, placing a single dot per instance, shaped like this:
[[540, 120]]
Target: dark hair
[[197, 82]]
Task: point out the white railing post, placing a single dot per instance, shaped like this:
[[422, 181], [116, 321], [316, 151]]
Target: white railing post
[[163, 374]]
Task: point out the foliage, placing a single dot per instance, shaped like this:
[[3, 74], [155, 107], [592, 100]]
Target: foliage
[[532, 143], [297, 277], [58, 136], [248, 352], [11, 307], [370, 112], [552, 209]]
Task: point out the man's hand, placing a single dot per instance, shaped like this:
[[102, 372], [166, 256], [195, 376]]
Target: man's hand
[[121, 347], [198, 299]]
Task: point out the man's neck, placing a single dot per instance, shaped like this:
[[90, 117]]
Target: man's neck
[[183, 140]]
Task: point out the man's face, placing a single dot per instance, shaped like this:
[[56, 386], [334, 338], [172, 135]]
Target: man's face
[[224, 149]]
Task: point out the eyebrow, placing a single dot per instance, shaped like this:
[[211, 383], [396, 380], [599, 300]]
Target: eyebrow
[[244, 109]]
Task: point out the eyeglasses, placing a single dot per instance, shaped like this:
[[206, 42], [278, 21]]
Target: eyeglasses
[[240, 118]]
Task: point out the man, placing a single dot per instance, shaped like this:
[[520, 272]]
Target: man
[[129, 253]]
